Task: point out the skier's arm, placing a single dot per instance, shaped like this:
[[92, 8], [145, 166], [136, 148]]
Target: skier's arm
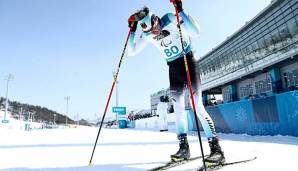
[[187, 22], [133, 47]]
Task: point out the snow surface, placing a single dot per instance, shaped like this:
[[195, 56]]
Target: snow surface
[[134, 149]]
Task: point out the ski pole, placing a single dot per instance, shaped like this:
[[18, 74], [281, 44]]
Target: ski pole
[[190, 87], [110, 94]]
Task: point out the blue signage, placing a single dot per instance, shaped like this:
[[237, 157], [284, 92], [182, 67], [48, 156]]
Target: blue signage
[[5, 121], [119, 110]]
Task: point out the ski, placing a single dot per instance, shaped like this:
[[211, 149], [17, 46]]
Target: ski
[[172, 164], [212, 167]]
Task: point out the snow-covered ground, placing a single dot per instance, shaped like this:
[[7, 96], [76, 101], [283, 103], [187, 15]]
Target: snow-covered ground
[[134, 149]]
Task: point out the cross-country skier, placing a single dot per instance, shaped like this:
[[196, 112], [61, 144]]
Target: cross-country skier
[[163, 33]]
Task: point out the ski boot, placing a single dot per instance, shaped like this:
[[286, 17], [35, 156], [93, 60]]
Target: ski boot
[[216, 154], [183, 152]]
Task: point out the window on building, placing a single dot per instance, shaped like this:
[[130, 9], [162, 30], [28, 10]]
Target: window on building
[[275, 36], [217, 65], [233, 60], [245, 90], [261, 43], [209, 67], [293, 28], [284, 32], [268, 84], [224, 60], [286, 84], [263, 86], [227, 94], [249, 49], [291, 79], [295, 77], [213, 66], [255, 46], [268, 40]]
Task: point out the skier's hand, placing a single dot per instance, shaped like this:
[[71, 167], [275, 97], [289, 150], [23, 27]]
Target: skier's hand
[[132, 23], [177, 4]]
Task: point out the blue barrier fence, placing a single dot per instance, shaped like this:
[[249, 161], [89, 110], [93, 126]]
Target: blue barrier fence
[[271, 115]]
